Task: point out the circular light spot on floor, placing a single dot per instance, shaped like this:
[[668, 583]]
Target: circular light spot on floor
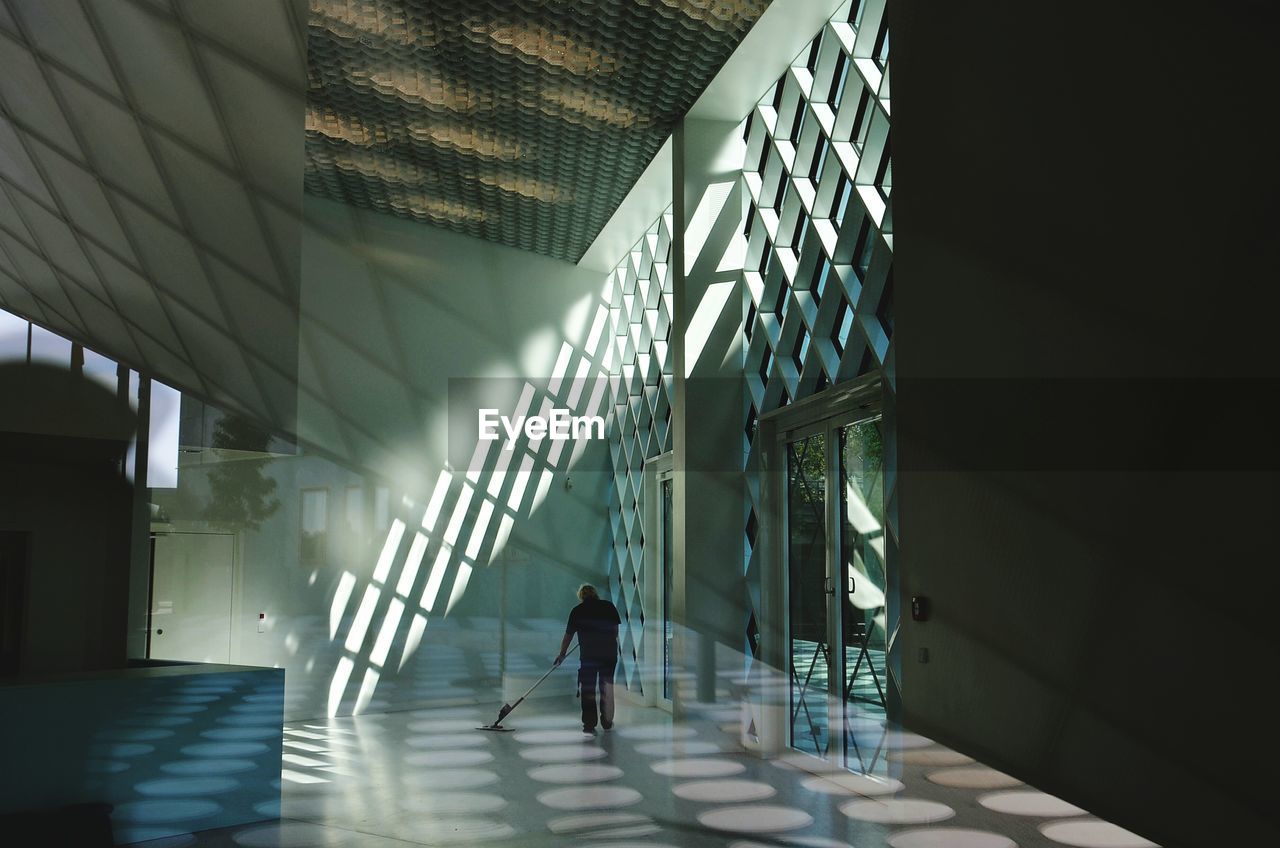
[[444, 779], [239, 734], [562, 753], [152, 812], [698, 767], [548, 737], [657, 731], [292, 835], [755, 819], [179, 709], [547, 722], [930, 757], [438, 714], [724, 791], [815, 842], [897, 811], [453, 803], [806, 841], [141, 735], [596, 824], [575, 773], [225, 749], [120, 749], [949, 837], [154, 721], [1092, 833], [894, 739], [678, 748], [448, 740], [443, 725], [447, 759], [724, 714], [589, 797], [1029, 802], [178, 787], [431, 831], [972, 777], [853, 784]]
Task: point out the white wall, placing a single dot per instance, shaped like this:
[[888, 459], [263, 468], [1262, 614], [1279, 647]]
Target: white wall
[[391, 311]]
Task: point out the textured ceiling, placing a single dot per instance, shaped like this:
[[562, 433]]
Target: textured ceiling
[[524, 122]]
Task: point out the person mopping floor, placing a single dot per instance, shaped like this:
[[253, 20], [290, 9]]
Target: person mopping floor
[[595, 622]]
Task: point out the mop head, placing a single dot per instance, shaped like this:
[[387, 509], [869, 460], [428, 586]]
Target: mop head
[[497, 722]]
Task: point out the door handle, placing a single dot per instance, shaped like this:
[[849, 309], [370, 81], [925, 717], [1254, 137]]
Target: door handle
[[829, 585]]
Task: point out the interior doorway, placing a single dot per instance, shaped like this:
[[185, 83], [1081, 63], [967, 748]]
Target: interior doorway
[[659, 580], [192, 580], [835, 575]]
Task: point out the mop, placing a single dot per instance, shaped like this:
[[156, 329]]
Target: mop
[[507, 708]]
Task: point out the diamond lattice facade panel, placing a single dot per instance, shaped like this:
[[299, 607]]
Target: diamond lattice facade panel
[[818, 284], [640, 303], [524, 123]]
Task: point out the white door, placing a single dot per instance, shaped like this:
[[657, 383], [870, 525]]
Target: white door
[[191, 584]]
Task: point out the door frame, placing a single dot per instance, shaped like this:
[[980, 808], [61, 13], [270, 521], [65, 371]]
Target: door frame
[[826, 412], [656, 469]]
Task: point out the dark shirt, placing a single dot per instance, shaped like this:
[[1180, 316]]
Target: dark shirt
[[596, 624]]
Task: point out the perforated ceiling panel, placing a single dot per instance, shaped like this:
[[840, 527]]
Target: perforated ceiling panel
[[523, 122]]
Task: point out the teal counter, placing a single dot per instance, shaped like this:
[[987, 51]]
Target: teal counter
[[172, 748]]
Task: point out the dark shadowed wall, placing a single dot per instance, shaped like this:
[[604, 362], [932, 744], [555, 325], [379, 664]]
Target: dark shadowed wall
[[1085, 258]]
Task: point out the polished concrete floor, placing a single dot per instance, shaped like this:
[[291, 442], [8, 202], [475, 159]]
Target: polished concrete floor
[[428, 777]]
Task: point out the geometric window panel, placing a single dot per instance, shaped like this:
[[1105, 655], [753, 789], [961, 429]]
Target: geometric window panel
[[640, 384], [818, 280]]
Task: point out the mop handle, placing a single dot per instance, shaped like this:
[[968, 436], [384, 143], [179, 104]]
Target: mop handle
[[554, 666]]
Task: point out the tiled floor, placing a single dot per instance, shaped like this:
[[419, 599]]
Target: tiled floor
[[430, 778]]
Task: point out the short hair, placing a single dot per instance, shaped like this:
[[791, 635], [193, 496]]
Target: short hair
[[586, 590]]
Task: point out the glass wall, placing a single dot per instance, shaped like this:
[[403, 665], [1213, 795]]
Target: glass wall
[[808, 625], [864, 578]]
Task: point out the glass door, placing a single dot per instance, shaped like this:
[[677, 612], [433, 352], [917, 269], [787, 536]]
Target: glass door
[[667, 545], [808, 618], [659, 583], [838, 607], [864, 613]]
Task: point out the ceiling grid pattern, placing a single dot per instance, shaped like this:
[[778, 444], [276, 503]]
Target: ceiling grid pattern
[[138, 211], [524, 122]]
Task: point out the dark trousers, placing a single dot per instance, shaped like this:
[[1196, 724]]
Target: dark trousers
[[596, 675]]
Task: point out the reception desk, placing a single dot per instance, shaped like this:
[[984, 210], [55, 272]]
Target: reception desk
[[171, 748]]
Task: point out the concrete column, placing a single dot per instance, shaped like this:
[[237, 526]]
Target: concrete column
[[710, 598]]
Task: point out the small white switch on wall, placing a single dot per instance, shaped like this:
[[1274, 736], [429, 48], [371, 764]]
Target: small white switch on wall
[[262, 622]]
